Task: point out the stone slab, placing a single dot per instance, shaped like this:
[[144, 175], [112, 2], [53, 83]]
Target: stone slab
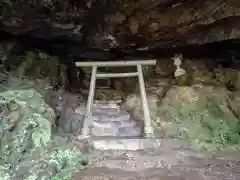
[[100, 106], [103, 132], [130, 131], [106, 111], [126, 144], [122, 116], [114, 124], [107, 104], [113, 129]]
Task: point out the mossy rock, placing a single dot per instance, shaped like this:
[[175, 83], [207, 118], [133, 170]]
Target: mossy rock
[[202, 116], [26, 125], [56, 161], [28, 149]]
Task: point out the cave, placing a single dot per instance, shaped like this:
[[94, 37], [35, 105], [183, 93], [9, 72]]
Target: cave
[[192, 91]]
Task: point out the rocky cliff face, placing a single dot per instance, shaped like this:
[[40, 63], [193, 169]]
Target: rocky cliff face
[[137, 24], [46, 37]]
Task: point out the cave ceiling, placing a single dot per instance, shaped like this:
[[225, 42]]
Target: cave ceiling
[[126, 24]]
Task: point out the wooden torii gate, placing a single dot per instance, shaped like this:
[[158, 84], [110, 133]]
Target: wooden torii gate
[[148, 129]]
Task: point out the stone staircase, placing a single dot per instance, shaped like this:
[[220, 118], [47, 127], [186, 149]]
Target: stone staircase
[[111, 120], [112, 128]]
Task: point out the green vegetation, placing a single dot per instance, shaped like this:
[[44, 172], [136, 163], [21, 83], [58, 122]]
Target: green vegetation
[[203, 116], [28, 149]]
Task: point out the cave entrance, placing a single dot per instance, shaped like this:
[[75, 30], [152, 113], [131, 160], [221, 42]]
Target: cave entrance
[[148, 129]]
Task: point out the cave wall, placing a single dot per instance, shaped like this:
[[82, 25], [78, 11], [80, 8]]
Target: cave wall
[[60, 69]]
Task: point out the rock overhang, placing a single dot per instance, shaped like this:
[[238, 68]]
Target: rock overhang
[[124, 24]]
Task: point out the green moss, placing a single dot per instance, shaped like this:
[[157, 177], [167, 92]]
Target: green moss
[[28, 148], [4, 173], [54, 161], [207, 123]]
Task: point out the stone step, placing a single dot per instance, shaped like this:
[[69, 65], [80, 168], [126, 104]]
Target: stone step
[[122, 116], [141, 144], [99, 107], [130, 131], [112, 123], [115, 130], [133, 144], [110, 102], [126, 143], [106, 111], [106, 114], [108, 108]]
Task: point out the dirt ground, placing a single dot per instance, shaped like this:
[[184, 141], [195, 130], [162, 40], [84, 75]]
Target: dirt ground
[[170, 162]]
